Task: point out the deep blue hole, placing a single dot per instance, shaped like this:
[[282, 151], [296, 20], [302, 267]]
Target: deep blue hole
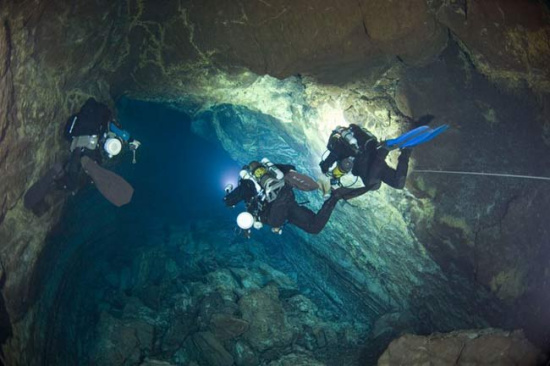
[[178, 176]]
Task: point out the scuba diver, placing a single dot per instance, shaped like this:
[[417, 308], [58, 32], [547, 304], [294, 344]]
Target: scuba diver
[[93, 134], [267, 190], [356, 150]]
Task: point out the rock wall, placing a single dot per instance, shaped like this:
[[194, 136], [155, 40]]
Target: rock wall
[[54, 55]]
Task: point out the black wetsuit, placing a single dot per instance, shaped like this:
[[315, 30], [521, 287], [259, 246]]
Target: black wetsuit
[[284, 208], [92, 119], [370, 161]]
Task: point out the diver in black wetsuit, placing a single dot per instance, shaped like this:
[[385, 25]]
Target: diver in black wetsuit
[[356, 150], [87, 131], [270, 200], [92, 133]]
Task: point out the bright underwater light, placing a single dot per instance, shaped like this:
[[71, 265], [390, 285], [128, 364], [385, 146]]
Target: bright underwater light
[[245, 220], [229, 177]]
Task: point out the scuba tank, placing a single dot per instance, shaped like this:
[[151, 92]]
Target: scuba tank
[[273, 181], [267, 178], [273, 169], [342, 136], [244, 174]]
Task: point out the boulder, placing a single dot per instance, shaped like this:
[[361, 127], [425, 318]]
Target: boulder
[[269, 327], [469, 347], [226, 327], [244, 355], [122, 340], [209, 349]]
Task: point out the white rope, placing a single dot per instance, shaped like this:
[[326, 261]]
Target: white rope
[[481, 173]]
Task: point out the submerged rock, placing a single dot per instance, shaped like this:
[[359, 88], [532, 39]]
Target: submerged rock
[[294, 359], [122, 341], [468, 347], [269, 327], [209, 349], [227, 327]]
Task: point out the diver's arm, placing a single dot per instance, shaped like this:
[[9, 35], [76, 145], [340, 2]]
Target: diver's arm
[[244, 191], [327, 163]]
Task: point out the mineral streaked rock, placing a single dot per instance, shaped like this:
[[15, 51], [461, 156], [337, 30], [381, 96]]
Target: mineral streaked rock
[[507, 41], [468, 347]]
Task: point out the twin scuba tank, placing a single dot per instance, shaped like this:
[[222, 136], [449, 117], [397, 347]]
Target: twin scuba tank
[[267, 178], [342, 137], [268, 181], [344, 143]]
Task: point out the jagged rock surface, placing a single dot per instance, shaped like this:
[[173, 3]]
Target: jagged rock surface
[[471, 347]]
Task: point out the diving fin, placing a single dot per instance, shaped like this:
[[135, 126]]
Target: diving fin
[[112, 186], [39, 190], [301, 181], [406, 136], [425, 137]]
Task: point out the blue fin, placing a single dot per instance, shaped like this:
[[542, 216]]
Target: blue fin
[[425, 137], [404, 137]]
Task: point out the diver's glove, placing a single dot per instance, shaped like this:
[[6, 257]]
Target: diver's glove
[[135, 144], [324, 166]]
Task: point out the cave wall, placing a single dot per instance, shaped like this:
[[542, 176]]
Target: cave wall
[[55, 54]]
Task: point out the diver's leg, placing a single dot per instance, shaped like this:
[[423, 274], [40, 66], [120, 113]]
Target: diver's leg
[[372, 175], [396, 178], [307, 220], [278, 209], [72, 172]]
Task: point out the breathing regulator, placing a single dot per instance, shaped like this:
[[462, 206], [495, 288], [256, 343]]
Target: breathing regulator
[[338, 170]]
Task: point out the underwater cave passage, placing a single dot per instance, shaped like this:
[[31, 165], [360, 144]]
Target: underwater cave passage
[[179, 175]]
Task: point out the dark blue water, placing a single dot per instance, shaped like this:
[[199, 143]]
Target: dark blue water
[[178, 180], [178, 176]]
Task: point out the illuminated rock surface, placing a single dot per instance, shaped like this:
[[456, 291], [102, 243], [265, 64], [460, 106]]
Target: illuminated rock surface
[[474, 347], [451, 252]]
